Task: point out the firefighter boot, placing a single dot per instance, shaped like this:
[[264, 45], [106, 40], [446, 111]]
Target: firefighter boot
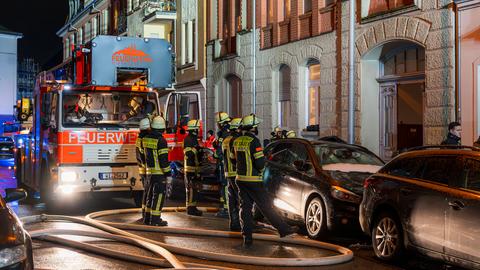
[[193, 211], [247, 241], [159, 223]]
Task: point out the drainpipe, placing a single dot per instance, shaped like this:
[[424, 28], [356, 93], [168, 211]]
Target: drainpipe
[[254, 45], [351, 79]]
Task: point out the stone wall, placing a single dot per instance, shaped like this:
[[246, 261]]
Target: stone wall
[[430, 26]]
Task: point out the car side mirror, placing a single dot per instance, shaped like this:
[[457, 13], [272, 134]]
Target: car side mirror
[[15, 194]]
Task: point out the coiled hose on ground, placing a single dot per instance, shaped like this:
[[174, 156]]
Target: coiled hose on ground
[[116, 231]]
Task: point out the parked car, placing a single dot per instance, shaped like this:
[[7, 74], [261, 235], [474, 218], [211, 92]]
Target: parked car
[[318, 184], [6, 148], [427, 200], [15, 242], [209, 184]]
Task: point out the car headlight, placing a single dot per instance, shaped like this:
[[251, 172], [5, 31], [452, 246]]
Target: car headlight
[[13, 255], [342, 194], [68, 177]]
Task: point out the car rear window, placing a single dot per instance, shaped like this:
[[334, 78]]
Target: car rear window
[[337, 153]]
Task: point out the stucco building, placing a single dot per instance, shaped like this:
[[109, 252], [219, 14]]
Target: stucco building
[[8, 72], [405, 59]]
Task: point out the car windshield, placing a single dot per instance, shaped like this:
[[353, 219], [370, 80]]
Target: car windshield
[[343, 154], [124, 109]]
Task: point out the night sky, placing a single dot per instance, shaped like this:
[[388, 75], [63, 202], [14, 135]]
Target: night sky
[[38, 21]]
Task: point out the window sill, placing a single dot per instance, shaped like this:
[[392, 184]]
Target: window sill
[[305, 15], [186, 66], [285, 22], [225, 57], [389, 13]]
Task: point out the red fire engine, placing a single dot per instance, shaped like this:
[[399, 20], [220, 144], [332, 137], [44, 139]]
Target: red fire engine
[[83, 134]]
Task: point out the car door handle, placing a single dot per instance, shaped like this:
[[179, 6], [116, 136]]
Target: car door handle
[[456, 205]]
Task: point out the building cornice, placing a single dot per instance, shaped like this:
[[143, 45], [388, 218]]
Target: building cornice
[[86, 11]]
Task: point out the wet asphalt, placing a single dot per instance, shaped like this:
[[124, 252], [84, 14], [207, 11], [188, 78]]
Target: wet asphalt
[[49, 255]]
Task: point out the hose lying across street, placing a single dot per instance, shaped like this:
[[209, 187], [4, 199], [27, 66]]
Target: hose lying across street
[[116, 231]]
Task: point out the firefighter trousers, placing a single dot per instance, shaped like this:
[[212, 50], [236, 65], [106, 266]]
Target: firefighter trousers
[[156, 198], [192, 182], [233, 203], [255, 192], [223, 187], [145, 213]]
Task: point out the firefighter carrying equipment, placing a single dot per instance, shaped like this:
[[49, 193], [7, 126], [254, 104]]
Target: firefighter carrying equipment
[[144, 124], [158, 123], [249, 158], [250, 121], [235, 123], [193, 125], [157, 169], [222, 117]]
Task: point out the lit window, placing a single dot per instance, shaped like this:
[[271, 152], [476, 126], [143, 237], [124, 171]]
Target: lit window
[[313, 86]]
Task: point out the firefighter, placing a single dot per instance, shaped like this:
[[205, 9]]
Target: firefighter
[[192, 167], [230, 174], [158, 169], [140, 106], [250, 163], [144, 127], [223, 121], [291, 134]]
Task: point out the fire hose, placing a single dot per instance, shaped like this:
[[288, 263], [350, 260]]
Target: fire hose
[[116, 231]]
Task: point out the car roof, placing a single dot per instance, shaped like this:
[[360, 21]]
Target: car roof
[[320, 142], [461, 150]]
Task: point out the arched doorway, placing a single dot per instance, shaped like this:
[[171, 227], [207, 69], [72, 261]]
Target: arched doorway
[[392, 92]]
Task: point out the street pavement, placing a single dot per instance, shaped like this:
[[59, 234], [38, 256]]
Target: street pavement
[[53, 256]]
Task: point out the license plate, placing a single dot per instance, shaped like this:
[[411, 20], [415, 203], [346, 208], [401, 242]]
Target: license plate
[[113, 176]]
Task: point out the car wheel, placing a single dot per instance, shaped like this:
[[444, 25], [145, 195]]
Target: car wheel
[[315, 218], [387, 238]]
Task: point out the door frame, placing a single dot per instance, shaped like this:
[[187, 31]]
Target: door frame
[[395, 81]]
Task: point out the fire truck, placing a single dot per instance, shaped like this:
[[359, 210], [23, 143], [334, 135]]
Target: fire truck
[[84, 129]]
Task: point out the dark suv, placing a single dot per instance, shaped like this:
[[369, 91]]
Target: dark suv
[[427, 200]]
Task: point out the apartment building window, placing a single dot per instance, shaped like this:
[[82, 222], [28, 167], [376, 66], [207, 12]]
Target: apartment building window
[[307, 6], [94, 27], [286, 9], [226, 18], [313, 86], [80, 36], [88, 32], [284, 96], [105, 22], [373, 7], [190, 41], [66, 51], [129, 5], [270, 13], [183, 44]]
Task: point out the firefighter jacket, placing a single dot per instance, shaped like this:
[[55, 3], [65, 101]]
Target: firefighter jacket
[[249, 158], [191, 154], [227, 147], [221, 135], [140, 152], [156, 153]]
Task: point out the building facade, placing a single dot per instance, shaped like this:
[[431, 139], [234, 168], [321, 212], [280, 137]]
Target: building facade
[[191, 53], [152, 19], [27, 72], [405, 75], [8, 72]]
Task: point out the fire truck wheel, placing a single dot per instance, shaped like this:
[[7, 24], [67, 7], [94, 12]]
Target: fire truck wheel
[[137, 198]]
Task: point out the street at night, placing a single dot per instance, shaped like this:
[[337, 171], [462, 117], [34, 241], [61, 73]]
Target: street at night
[[240, 134]]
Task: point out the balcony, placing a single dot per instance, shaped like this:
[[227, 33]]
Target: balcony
[[162, 6]]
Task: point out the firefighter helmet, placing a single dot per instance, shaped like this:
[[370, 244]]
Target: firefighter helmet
[[144, 124], [158, 122], [193, 125], [235, 123], [291, 134], [222, 117], [250, 121], [277, 129]]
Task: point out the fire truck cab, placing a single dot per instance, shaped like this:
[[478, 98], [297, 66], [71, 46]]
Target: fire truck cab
[[84, 130]]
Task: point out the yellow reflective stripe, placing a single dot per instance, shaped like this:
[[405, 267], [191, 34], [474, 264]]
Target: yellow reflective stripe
[[249, 161], [192, 169], [231, 174], [255, 178], [150, 143], [163, 151], [157, 211], [258, 155], [141, 170], [148, 210], [166, 169], [193, 149], [154, 171]]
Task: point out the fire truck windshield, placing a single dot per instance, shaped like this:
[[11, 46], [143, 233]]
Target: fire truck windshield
[[123, 109]]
